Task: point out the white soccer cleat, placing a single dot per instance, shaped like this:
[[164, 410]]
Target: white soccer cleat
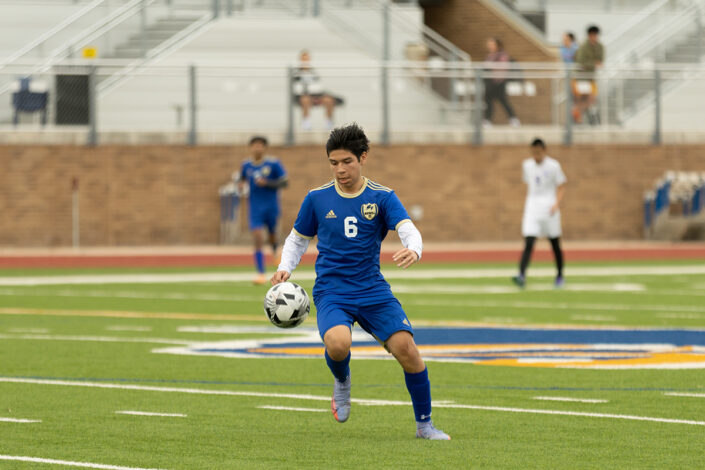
[[340, 403], [428, 431]]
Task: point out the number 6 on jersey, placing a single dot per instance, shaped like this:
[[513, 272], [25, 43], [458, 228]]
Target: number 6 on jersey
[[350, 227]]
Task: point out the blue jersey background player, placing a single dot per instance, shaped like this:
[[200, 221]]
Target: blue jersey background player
[[351, 215], [265, 176]]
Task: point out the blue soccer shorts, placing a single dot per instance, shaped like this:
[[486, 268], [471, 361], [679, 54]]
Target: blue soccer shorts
[[261, 217], [381, 320]]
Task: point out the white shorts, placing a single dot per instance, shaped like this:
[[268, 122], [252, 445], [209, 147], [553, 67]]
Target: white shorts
[[541, 225]]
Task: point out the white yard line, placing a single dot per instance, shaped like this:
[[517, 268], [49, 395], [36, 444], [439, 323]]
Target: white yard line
[[291, 408], [368, 402], [578, 400], [508, 289], [593, 317], [149, 413], [28, 330], [99, 339], [681, 316], [128, 328], [683, 394], [68, 463], [579, 413], [101, 294], [233, 329], [452, 273], [554, 305], [18, 420], [510, 320]]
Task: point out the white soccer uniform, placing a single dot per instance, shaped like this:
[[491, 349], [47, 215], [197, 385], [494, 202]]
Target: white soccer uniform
[[542, 181]]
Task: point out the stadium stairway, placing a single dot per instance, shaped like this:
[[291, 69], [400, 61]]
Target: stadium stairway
[[21, 22], [155, 34], [242, 80]]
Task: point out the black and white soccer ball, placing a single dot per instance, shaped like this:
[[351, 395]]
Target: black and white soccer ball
[[286, 305]]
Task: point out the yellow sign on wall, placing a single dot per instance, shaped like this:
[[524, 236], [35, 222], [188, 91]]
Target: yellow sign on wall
[[90, 52]]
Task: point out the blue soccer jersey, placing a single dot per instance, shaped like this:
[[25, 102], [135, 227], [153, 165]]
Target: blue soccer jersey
[[271, 170], [350, 229], [264, 201]]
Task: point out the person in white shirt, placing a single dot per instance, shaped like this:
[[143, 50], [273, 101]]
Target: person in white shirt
[[545, 181]]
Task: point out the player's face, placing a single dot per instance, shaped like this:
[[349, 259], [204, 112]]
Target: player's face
[[491, 46], [538, 153], [346, 168], [257, 149]]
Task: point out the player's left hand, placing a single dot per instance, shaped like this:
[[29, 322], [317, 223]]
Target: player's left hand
[[405, 258], [260, 181], [279, 277], [554, 209]]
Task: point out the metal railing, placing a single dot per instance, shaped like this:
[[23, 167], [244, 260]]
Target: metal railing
[[47, 36], [187, 103], [648, 46]]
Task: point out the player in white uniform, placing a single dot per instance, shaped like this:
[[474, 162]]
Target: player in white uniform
[[542, 217]]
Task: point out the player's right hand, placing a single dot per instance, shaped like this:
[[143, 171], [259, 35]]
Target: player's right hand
[[279, 277]]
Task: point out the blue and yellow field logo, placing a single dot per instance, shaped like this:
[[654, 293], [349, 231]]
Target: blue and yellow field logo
[[585, 348]]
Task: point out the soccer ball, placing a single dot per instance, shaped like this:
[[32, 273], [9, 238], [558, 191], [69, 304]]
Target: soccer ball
[[286, 305]]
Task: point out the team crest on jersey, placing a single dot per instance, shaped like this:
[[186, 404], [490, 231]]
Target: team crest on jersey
[[266, 171], [369, 211]]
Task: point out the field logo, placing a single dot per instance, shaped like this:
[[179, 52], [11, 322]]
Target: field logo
[[577, 348]]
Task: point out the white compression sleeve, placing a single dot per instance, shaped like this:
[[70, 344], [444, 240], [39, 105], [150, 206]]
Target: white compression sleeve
[[294, 248], [410, 237]]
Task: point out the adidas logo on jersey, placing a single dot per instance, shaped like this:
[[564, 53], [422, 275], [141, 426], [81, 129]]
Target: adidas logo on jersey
[[331, 215]]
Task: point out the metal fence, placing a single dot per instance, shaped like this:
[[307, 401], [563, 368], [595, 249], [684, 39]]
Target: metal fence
[[115, 101]]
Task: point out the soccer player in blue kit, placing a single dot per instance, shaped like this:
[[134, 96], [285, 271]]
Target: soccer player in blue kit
[[351, 215], [265, 176]]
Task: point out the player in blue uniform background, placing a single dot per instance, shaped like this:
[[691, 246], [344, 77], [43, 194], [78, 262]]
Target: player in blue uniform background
[[265, 176], [351, 215]]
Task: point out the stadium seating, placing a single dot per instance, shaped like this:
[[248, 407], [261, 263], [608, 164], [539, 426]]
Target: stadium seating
[[674, 209], [22, 22], [232, 98]]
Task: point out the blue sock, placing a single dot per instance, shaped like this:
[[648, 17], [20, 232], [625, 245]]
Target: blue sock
[[340, 369], [259, 261], [420, 390]]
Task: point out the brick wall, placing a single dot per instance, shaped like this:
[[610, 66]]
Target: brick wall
[[468, 24], [164, 195]]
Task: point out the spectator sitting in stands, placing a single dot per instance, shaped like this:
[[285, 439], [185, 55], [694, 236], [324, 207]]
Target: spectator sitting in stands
[[495, 87], [568, 48], [308, 92], [589, 56]]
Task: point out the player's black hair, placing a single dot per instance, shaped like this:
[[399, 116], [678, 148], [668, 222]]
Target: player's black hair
[[593, 30], [259, 138], [538, 143], [500, 44], [571, 36], [351, 138]]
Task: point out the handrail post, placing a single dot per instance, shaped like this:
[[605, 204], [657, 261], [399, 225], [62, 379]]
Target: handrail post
[[568, 132], [143, 28], [452, 92], [385, 73], [478, 111], [92, 107], [657, 107], [290, 107], [699, 31], [193, 108]]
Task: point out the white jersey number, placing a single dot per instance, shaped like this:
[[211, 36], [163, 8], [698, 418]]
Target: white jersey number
[[350, 227]]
